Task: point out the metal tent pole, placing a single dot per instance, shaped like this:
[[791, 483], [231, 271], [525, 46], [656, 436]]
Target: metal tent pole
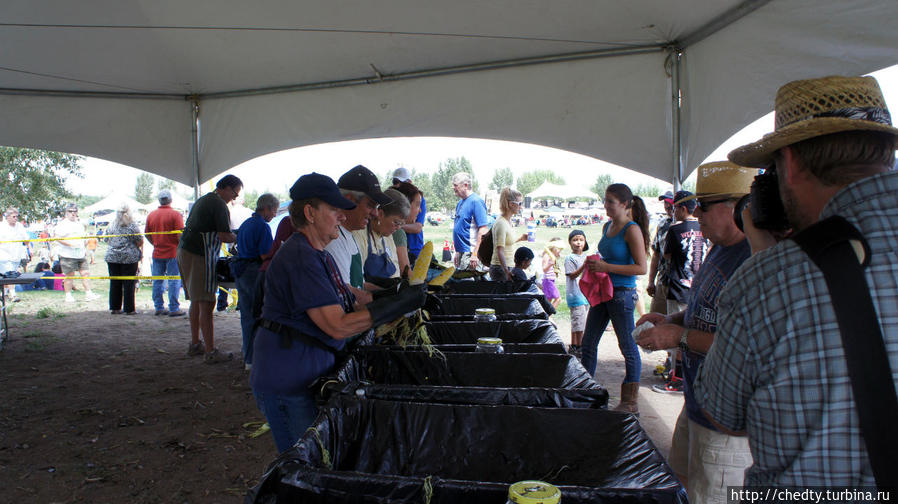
[[676, 96], [195, 144]]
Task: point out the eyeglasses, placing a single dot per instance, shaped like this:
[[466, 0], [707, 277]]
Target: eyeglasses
[[71, 211], [398, 222], [518, 203], [706, 205]]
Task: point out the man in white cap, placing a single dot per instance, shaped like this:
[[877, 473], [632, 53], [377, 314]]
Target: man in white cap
[[164, 220], [413, 231], [705, 459], [778, 369]]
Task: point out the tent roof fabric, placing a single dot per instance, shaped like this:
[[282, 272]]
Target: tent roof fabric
[[118, 79]]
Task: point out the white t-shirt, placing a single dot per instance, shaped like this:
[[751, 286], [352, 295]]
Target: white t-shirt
[[342, 249], [65, 228], [12, 252]]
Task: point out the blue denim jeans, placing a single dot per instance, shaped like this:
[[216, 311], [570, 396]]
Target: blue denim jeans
[[620, 311], [288, 415], [166, 267], [246, 293]]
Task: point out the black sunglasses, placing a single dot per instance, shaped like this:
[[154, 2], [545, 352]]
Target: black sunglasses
[[706, 205]]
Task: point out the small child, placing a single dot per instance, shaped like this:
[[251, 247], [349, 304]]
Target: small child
[[551, 270], [523, 256], [576, 301]]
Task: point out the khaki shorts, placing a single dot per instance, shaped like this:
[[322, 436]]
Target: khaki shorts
[[578, 318], [710, 460], [659, 300], [70, 265], [193, 277]]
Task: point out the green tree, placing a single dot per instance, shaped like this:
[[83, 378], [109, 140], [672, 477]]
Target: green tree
[[602, 182], [143, 188], [529, 181], [502, 178], [441, 196], [34, 180], [689, 185], [648, 190], [166, 183], [250, 198]]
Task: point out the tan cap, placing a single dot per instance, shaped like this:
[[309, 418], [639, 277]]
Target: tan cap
[[722, 179], [815, 107]]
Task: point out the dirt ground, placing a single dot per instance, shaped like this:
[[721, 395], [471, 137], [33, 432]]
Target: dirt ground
[[108, 408]]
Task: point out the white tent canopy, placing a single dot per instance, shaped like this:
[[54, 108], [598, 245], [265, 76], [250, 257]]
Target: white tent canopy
[[563, 192], [113, 202], [188, 90]]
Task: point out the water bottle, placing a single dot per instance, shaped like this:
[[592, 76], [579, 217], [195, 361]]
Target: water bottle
[[484, 315]]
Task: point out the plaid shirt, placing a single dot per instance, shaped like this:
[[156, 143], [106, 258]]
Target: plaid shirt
[[777, 368]]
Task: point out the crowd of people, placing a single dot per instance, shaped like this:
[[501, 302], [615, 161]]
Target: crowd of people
[[754, 339]]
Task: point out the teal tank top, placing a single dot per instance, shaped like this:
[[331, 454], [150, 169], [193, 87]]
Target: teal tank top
[[615, 250]]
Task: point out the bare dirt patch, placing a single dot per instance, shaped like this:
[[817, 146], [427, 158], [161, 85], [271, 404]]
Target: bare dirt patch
[[108, 408]]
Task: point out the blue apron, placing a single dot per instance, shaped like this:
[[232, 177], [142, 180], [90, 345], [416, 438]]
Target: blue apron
[[378, 265]]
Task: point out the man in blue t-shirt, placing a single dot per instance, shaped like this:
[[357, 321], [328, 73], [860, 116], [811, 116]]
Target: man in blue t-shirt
[[705, 459], [414, 232], [470, 222], [253, 241]]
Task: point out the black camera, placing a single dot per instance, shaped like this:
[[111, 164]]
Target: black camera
[[767, 211]]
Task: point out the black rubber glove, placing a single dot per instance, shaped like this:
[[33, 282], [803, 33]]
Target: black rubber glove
[[433, 305], [384, 283], [388, 309]]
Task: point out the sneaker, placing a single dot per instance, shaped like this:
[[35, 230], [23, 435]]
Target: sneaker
[[214, 357], [69, 298], [161, 312], [178, 313], [196, 349], [90, 296], [115, 312]]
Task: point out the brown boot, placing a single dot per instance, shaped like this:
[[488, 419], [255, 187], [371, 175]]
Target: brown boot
[[629, 395]]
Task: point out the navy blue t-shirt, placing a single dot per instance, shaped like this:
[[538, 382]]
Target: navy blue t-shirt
[[701, 312], [299, 278]]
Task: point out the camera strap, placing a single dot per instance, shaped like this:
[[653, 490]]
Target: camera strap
[[828, 244]]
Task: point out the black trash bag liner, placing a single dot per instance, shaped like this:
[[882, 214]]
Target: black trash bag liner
[[363, 450], [550, 348], [486, 298], [488, 287], [509, 331], [545, 397], [458, 369], [524, 307]]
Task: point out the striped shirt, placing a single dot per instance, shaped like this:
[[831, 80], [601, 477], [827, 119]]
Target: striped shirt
[[777, 368]]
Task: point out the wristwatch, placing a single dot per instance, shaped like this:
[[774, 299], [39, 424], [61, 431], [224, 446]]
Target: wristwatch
[[683, 345]]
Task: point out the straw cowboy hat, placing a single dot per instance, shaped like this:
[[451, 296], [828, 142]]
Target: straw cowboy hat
[[722, 180], [815, 107]]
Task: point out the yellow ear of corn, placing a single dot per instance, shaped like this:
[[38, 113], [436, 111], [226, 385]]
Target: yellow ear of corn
[[419, 273], [442, 277]]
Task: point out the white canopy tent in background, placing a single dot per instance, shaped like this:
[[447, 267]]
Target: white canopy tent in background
[[563, 192], [113, 202], [188, 90]]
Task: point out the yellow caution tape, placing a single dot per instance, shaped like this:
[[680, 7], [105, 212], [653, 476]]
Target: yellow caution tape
[[134, 277], [59, 238]]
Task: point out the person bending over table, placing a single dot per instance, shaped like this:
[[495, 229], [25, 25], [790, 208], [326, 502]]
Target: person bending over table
[[308, 311]]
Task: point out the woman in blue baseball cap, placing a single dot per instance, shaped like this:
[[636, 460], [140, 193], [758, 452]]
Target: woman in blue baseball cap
[[308, 311]]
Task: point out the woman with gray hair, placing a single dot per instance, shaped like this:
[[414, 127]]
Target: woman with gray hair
[[376, 244], [122, 257]]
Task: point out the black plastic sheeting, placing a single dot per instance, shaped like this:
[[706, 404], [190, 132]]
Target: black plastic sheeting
[[486, 287], [507, 308], [484, 299], [509, 331], [387, 451], [457, 369], [556, 348]]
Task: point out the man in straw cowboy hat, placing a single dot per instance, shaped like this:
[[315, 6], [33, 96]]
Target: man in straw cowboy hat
[[777, 370], [705, 459]]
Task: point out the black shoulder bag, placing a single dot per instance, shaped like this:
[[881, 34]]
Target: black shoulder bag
[[827, 243]]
